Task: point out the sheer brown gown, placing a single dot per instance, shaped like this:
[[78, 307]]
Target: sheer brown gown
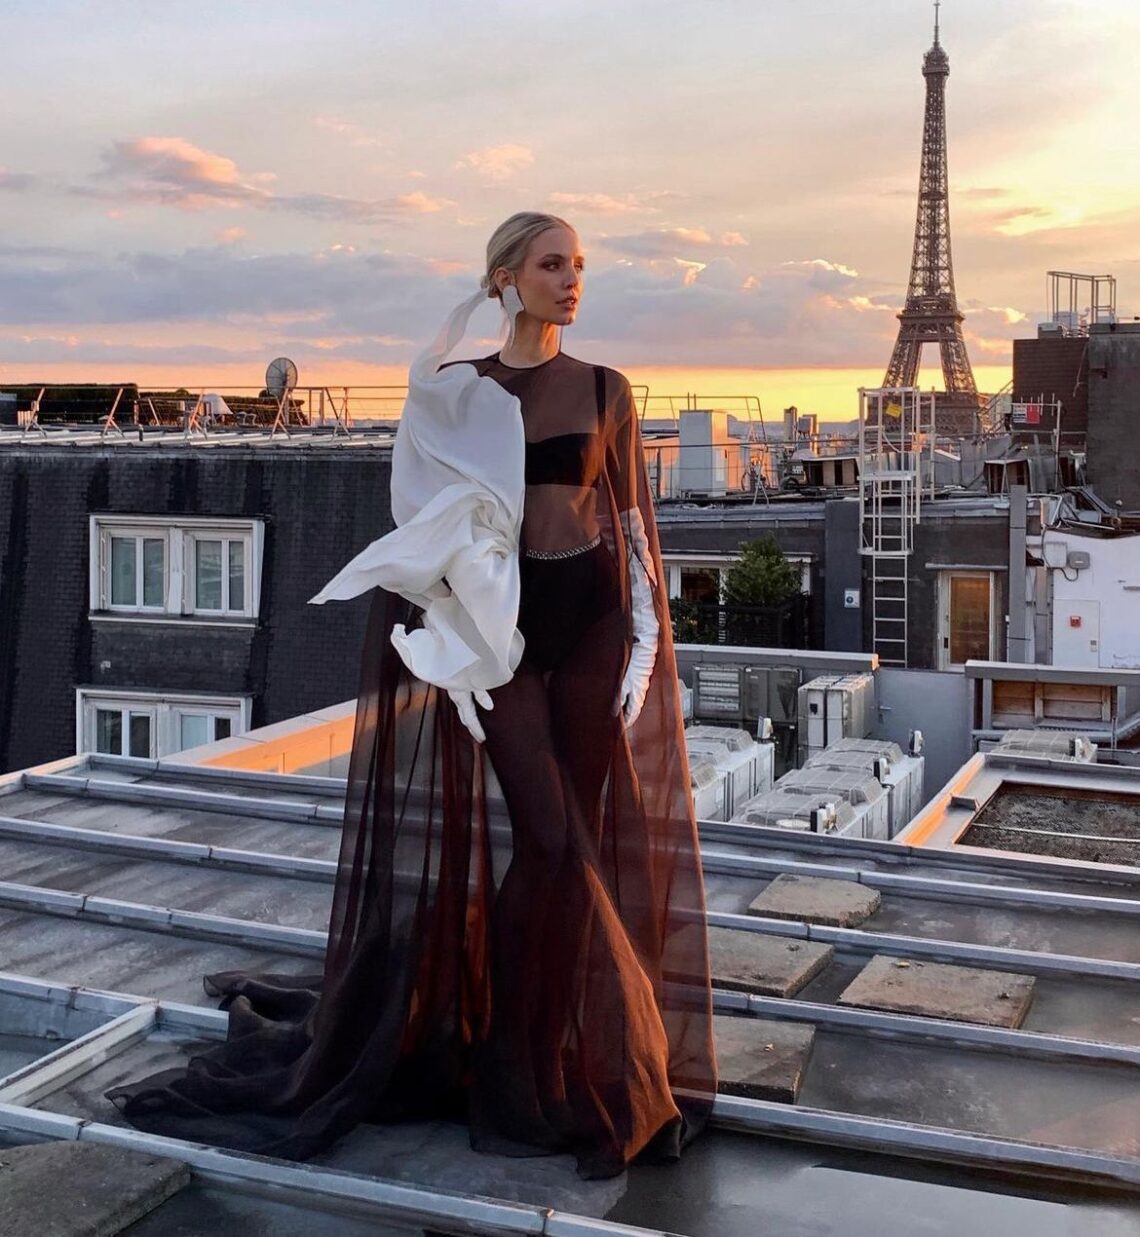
[[518, 927]]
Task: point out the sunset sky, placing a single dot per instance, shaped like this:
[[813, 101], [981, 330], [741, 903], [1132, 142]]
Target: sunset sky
[[188, 190]]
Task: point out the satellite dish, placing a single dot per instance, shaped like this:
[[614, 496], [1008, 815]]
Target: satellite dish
[[280, 377]]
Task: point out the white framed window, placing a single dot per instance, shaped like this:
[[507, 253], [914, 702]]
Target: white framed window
[[138, 570], [154, 724], [186, 566], [219, 576]]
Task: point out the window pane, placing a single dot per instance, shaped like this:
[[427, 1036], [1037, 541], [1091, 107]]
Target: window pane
[[109, 731], [221, 727], [700, 584], [154, 575], [123, 571], [237, 575], [969, 618], [140, 734], [194, 730], [208, 575]]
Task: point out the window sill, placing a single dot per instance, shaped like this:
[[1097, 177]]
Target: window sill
[[240, 622]]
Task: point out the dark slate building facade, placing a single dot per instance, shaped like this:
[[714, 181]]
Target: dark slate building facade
[[958, 572], [114, 598]]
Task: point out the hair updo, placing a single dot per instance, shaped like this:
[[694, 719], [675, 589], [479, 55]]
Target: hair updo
[[510, 241]]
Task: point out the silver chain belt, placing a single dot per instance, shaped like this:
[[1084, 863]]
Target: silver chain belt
[[578, 549]]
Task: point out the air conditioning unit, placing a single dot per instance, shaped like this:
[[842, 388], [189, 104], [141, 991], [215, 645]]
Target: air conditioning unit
[[709, 789], [1049, 745], [903, 777], [746, 764], [802, 811], [835, 706], [857, 787]]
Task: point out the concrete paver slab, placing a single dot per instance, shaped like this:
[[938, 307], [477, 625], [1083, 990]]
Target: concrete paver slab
[[70, 1189], [838, 903], [766, 965], [937, 990], [761, 1059]]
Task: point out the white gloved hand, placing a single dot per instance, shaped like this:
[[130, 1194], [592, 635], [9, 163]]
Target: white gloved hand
[[643, 655], [465, 702]]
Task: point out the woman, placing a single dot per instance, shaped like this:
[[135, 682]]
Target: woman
[[518, 923]]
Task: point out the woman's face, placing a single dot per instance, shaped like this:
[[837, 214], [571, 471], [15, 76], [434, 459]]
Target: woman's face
[[550, 278]]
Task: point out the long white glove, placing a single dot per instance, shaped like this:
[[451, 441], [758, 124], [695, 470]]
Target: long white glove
[[464, 702], [643, 655]]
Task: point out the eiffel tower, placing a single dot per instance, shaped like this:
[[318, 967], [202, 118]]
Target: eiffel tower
[[931, 313]]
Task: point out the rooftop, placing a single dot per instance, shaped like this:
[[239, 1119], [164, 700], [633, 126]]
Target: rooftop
[[125, 880]]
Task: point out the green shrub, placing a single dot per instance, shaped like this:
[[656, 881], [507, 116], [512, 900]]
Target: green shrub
[[762, 576]]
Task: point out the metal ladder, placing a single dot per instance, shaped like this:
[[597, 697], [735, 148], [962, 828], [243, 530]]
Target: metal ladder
[[887, 534], [895, 428]]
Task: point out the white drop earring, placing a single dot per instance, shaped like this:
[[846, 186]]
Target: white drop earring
[[512, 307]]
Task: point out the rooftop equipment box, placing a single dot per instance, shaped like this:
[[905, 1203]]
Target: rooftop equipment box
[[710, 789], [857, 787], [806, 811], [835, 706], [746, 764], [903, 777], [706, 449]]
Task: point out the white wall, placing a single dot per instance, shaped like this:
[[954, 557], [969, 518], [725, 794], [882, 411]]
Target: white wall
[[1104, 597]]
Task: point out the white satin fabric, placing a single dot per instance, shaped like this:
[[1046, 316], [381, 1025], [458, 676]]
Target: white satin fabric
[[457, 500]]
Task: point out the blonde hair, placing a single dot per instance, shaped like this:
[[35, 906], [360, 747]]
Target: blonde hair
[[510, 241]]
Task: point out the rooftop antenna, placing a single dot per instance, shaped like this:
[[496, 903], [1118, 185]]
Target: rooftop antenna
[[937, 6]]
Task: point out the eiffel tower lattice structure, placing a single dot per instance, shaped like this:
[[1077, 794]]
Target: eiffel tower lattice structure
[[931, 313]]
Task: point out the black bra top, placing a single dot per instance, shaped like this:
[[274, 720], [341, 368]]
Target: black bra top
[[563, 459], [569, 459]]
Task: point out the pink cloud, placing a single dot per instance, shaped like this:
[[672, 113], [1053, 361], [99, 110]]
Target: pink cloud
[[601, 203], [497, 162], [172, 171]]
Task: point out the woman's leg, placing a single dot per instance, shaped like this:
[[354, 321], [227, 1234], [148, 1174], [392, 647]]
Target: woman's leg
[[618, 1078], [517, 1088]]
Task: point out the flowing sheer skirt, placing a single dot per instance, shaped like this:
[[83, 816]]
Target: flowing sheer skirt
[[517, 934]]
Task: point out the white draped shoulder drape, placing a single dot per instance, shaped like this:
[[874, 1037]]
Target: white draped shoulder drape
[[457, 501]]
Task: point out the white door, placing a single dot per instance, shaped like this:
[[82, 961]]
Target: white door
[[1076, 633]]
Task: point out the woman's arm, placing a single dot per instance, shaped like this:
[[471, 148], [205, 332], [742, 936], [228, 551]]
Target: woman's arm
[[633, 501]]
